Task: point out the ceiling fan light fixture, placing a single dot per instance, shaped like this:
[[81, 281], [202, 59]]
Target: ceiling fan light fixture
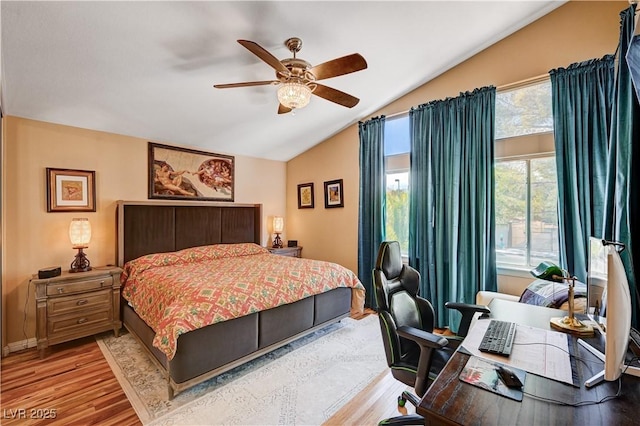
[[294, 95]]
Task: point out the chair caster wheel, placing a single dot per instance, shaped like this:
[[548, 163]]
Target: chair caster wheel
[[401, 401]]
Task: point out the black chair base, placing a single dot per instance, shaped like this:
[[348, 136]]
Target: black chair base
[[409, 419], [408, 396]]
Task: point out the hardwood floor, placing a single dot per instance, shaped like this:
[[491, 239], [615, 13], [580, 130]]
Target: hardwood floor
[[76, 381], [376, 402], [73, 385]]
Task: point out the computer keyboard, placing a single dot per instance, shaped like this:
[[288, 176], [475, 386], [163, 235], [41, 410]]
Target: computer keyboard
[[498, 339]]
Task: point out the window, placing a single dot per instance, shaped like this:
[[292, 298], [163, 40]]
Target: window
[[396, 147], [526, 192], [526, 211], [524, 111]]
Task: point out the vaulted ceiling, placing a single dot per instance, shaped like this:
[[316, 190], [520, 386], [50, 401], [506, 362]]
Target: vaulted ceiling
[[147, 69]]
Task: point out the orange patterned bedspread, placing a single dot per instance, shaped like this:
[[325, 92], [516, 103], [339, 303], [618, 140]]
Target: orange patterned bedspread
[[181, 291]]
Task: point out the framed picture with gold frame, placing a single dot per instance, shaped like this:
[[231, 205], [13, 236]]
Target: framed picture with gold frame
[[186, 174], [71, 190], [305, 196]]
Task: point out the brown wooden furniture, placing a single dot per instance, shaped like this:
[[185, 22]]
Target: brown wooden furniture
[[75, 305], [149, 227], [286, 251], [451, 401]]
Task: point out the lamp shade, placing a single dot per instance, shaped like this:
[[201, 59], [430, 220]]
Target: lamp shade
[[294, 95], [548, 271], [80, 232], [278, 224]]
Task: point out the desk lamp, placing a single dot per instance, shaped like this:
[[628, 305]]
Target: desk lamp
[[570, 324], [80, 235]]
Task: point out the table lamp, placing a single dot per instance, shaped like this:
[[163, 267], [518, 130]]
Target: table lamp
[[570, 324], [278, 226], [80, 236]]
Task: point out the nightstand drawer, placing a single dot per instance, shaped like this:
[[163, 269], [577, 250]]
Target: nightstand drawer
[[286, 251], [66, 324], [79, 286], [89, 301]]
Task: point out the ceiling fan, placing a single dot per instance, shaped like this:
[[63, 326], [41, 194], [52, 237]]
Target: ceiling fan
[[298, 79]]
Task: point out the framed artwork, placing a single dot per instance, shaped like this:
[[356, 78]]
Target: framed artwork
[[305, 196], [186, 174], [71, 190], [333, 194]]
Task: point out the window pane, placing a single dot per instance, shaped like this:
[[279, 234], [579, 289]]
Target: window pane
[[396, 136], [524, 111], [544, 212], [396, 150], [397, 226], [511, 212]]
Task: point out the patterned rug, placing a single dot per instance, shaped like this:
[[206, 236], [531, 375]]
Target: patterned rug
[[304, 382]]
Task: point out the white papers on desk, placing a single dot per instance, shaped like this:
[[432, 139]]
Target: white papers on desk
[[537, 351]]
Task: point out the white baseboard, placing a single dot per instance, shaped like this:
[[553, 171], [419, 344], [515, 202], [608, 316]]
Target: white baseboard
[[19, 346]]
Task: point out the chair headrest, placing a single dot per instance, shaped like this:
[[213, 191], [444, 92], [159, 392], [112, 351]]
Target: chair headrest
[[389, 259]]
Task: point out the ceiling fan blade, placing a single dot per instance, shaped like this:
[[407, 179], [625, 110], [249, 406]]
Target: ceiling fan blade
[[335, 95], [340, 66], [283, 109], [246, 84], [267, 57]]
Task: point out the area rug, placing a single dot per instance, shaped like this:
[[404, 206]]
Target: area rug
[[304, 382]]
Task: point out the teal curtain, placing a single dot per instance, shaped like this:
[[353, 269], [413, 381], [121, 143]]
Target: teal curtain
[[582, 95], [451, 199], [622, 202], [371, 213]]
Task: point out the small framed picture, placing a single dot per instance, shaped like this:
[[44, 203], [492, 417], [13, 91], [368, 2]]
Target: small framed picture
[[305, 196], [71, 190], [333, 196]]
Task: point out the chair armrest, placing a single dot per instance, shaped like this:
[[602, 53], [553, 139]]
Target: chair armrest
[[468, 311], [428, 343], [422, 338]]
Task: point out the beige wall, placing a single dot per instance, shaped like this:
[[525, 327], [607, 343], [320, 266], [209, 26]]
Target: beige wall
[[35, 239], [574, 32]]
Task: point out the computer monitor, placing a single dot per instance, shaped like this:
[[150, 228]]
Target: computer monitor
[[610, 305]]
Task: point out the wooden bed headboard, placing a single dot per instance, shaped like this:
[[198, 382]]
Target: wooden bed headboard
[[150, 227]]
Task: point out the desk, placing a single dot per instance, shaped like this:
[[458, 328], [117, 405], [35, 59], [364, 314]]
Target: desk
[[451, 401]]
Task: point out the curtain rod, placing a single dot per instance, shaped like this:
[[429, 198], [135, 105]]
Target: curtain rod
[[510, 86]]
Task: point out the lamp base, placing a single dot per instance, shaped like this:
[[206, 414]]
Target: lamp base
[[80, 263], [571, 325], [277, 242]]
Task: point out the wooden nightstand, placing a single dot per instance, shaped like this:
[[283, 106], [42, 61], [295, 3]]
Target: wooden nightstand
[[287, 251], [76, 305]]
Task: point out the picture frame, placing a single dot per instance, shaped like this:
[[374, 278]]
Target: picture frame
[[186, 174], [333, 194], [71, 190], [306, 196]]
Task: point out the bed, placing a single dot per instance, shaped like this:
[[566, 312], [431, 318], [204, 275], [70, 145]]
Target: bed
[[154, 237]]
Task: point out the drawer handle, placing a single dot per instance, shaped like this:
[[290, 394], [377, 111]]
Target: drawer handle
[[102, 283], [82, 302], [60, 289], [82, 320]]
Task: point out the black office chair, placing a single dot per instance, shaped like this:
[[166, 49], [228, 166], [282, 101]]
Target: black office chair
[[414, 354]]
